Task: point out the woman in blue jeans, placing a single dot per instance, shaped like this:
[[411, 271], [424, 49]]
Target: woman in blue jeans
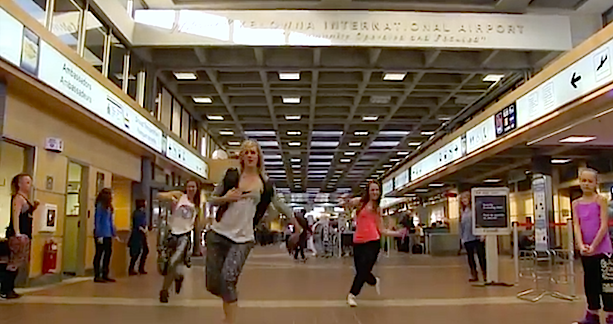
[[473, 244]]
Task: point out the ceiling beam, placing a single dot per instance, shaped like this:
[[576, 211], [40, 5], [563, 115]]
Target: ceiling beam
[[512, 5], [312, 106]]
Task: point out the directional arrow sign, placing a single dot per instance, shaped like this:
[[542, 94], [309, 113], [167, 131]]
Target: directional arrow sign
[[576, 78]]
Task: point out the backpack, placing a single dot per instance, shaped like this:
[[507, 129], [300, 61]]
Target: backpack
[[230, 181]]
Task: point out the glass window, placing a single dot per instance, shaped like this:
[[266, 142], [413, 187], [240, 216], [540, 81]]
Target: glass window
[[157, 107], [66, 18], [166, 114], [608, 16], [175, 126], [95, 37], [118, 51], [136, 66], [185, 125], [36, 8]]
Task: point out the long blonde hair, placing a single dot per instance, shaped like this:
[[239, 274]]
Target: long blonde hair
[[247, 144]]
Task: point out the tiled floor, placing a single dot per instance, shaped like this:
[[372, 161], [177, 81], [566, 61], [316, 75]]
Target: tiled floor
[[274, 289]]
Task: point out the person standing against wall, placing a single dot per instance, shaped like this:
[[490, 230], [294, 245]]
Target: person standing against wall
[[138, 238], [473, 244], [590, 220], [104, 232], [18, 233]]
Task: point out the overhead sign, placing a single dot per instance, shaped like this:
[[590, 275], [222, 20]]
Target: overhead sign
[[481, 135], [22, 48], [443, 156], [352, 28], [490, 207], [388, 187], [506, 120], [401, 180]]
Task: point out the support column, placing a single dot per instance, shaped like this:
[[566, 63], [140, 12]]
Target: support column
[[151, 84]]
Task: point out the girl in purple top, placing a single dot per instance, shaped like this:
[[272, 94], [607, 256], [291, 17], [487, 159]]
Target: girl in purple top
[[591, 235]]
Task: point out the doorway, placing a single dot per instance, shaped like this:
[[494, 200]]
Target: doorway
[[73, 260]]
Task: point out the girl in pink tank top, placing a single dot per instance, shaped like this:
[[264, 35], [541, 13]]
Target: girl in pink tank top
[[367, 239], [590, 220]]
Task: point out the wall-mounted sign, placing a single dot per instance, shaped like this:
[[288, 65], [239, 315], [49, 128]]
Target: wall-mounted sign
[[49, 219], [402, 179], [505, 120], [388, 187], [481, 135], [351, 28], [443, 156], [24, 49], [186, 158], [490, 207]]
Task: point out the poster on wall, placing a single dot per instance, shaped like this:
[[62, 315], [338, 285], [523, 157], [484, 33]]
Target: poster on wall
[[49, 219]]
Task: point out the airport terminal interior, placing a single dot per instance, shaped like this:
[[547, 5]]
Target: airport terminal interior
[[306, 161]]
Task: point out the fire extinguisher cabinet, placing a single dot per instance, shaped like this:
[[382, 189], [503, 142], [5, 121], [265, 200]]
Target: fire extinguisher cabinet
[[49, 257]]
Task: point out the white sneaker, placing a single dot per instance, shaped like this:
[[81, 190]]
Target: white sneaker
[[351, 301], [378, 286]]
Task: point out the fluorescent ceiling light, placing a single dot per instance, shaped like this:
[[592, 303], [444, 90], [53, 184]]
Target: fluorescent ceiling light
[[421, 190], [345, 160], [493, 77], [327, 133], [380, 171], [360, 133], [414, 143], [339, 172], [202, 100], [394, 76], [403, 153], [119, 76], [272, 157], [318, 172], [293, 117], [268, 143], [289, 75], [319, 163], [560, 161], [444, 118], [350, 153], [436, 185], [185, 75], [260, 133], [214, 117], [321, 157], [577, 139], [275, 171], [294, 133], [384, 143], [394, 133], [394, 160], [296, 166], [294, 144], [370, 118], [295, 160], [234, 143], [354, 144], [324, 144], [380, 99], [387, 165], [291, 99], [492, 180], [226, 132], [427, 133]]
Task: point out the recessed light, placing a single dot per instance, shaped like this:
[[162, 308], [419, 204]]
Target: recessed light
[[414, 143], [295, 166], [272, 157], [289, 75], [234, 143], [350, 153], [326, 133], [492, 180], [380, 100], [427, 133], [202, 100], [360, 133], [384, 143], [345, 160], [339, 171], [394, 133], [293, 117], [354, 144], [380, 171], [493, 77], [403, 153], [214, 117], [268, 143], [421, 190], [294, 144], [260, 133], [295, 160], [436, 185], [370, 118], [387, 166], [291, 99], [226, 132], [324, 144], [444, 118], [394, 76], [560, 161], [185, 75], [577, 139], [294, 133], [273, 162], [394, 160]]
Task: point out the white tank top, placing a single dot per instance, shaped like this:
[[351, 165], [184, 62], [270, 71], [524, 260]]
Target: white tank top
[[183, 215]]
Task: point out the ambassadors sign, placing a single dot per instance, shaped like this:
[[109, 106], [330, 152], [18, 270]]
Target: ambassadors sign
[[353, 28]]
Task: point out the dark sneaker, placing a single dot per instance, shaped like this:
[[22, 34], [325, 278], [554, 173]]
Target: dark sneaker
[[107, 279], [12, 295], [132, 273], [178, 285], [590, 318], [99, 280], [164, 296]]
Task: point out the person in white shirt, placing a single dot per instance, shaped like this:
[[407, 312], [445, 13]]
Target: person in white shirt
[[232, 237], [185, 206]]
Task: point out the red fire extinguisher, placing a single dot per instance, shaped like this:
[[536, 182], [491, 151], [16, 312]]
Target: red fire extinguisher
[[49, 257]]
